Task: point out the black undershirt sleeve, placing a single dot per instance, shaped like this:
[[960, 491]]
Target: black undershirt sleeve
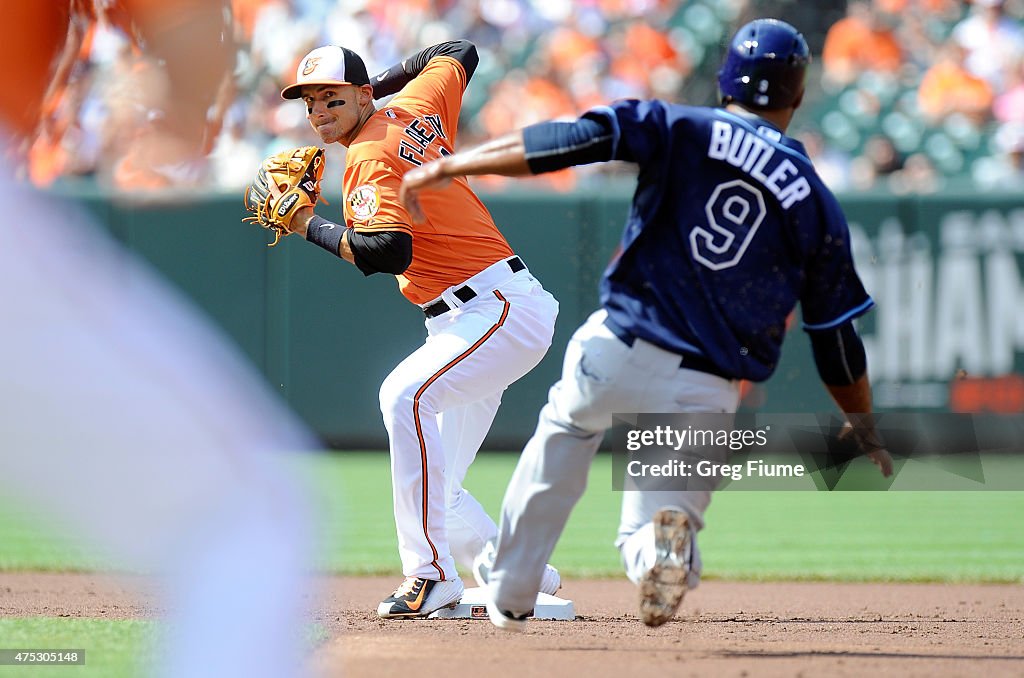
[[393, 79], [374, 252], [839, 355], [381, 251]]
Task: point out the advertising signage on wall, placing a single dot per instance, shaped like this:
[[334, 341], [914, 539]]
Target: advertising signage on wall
[[948, 331]]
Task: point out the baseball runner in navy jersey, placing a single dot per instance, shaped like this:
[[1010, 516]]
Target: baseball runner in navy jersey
[[729, 229]]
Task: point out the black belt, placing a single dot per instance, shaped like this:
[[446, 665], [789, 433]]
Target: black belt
[[688, 359], [465, 293]]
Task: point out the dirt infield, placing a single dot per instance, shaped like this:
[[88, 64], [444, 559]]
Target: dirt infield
[[725, 629]]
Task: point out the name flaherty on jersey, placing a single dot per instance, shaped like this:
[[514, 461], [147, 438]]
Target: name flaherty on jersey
[[752, 154]]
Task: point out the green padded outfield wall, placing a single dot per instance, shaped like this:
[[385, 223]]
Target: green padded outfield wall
[[946, 271]]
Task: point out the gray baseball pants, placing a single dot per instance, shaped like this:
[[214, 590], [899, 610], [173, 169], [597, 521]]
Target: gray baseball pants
[[601, 376]]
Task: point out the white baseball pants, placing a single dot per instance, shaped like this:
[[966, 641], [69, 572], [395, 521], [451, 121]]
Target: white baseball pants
[[438, 405], [601, 376]]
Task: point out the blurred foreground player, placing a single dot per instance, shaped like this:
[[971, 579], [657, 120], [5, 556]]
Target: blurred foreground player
[[123, 414], [729, 229]]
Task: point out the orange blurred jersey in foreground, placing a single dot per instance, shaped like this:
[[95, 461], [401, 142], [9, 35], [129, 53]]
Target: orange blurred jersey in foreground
[[32, 34]]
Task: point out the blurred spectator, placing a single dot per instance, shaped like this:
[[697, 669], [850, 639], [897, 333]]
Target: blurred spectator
[[141, 154], [1004, 171], [97, 34], [993, 41], [236, 155], [949, 87], [521, 100], [478, 29], [947, 8], [280, 37], [518, 101], [356, 28], [245, 13], [878, 160], [649, 54], [568, 48], [70, 140], [96, 31], [831, 164], [921, 25], [863, 41], [918, 176], [1009, 106]]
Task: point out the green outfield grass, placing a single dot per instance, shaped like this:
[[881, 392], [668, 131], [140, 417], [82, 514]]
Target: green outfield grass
[[845, 536], [113, 649]]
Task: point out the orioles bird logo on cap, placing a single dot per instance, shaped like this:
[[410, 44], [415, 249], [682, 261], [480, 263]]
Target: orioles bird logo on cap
[[310, 65]]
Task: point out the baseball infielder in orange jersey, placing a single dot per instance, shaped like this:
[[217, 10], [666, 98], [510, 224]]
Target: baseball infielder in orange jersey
[[488, 320]]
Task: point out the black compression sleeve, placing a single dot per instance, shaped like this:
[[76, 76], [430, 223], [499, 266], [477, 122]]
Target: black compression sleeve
[[325, 234], [398, 76], [381, 251], [553, 146], [839, 355]]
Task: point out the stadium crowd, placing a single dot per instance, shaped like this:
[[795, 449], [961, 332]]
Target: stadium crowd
[[917, 93]]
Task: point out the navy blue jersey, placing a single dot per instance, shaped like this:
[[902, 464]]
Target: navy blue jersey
[[729, 228]]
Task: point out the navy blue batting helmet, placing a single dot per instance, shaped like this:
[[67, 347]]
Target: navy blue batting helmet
[[765, 66]]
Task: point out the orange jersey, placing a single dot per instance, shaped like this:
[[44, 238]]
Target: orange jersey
[[459, 238], [33, 34], [852, 42]]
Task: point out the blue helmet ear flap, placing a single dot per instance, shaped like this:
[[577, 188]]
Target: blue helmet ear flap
[[766, 65]]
